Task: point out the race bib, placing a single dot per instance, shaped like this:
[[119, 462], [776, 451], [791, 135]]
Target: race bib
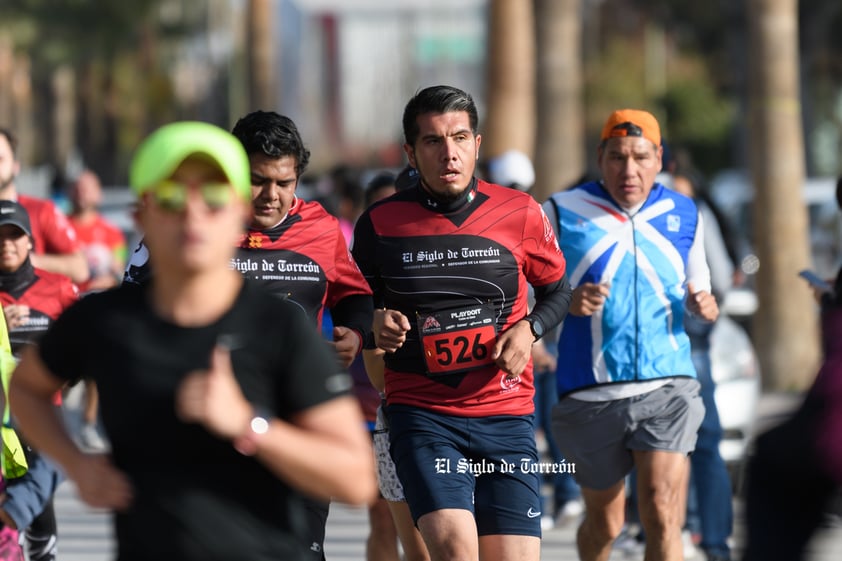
[[457, 339]]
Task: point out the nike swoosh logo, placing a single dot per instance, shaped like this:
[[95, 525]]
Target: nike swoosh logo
[[532, 514]]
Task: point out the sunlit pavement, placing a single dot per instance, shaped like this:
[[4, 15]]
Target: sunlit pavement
[[85, 534]]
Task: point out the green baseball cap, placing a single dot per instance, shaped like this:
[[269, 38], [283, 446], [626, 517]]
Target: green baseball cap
[[162, 152]]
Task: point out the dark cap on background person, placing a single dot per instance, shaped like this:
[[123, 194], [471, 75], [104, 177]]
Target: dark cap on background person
[[382, 179], [632, 122], [13, 213], [407, 178]]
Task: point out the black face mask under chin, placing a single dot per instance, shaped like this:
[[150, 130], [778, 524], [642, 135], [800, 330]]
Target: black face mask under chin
[[450, 204], [16, 281]]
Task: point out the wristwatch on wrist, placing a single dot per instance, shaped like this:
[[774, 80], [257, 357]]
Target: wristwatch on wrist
[[246, 443], [535, 326]]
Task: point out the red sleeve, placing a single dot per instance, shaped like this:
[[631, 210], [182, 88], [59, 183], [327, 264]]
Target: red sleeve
[[545, 262], [348, 279], [58, 235], [70, 294]]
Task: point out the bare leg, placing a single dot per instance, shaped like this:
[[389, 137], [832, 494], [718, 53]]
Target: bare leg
[[414, 548], [382, 543], [91, 409], [509, 548], [662, 488], [450, 535], [89, 434], [604, 518]]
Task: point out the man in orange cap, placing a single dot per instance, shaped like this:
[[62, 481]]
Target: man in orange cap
[[627, 386]]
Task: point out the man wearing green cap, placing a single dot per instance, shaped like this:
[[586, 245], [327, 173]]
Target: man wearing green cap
[[295, 249], [218, 399]]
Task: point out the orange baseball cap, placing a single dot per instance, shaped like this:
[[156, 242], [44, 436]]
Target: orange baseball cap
[[632, 122]]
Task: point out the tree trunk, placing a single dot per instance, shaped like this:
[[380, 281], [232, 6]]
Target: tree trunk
[[261, 54], [510, 117], [785, 326], [560, 152], [64, 120], [7, 63], [23, 108]]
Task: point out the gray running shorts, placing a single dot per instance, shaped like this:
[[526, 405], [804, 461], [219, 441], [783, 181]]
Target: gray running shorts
[[598, 437]]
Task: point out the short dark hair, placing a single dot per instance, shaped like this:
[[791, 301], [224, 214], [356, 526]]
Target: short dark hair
[[437, 99], [274, 135], [10, 137], [379, 181]]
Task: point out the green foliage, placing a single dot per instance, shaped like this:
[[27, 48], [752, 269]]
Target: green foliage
[[699, 120], [58, 32], [121, 52], [679, 91]]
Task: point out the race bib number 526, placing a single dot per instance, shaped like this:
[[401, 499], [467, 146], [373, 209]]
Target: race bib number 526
[[458, 339]]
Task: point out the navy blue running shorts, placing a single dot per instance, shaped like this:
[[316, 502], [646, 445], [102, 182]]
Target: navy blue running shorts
[[486, 465]]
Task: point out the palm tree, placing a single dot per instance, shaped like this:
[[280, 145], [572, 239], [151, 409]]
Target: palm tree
[[261, 53], [785, 327], [510, 120], [560, 157]]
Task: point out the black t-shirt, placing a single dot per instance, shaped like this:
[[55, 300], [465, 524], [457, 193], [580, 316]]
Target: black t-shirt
[[195, 496]]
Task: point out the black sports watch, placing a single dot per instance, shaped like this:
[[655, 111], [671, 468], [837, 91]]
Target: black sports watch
[[535, 326]]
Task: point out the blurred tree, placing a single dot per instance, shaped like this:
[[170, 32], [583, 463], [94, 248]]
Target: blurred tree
[[696, 116], [647, 57], [65, 39], [510, 91], [716, 32], [560, 156], [821, 84], [98, 71], [785, 335], [261, 48]]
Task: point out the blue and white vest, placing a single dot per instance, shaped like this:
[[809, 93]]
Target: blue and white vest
[[639, 333]]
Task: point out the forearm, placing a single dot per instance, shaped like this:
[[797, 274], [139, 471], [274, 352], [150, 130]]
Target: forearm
[[552, 303], [375, 368], [72, 265], [40, 423], [332, 461], [354, 312]]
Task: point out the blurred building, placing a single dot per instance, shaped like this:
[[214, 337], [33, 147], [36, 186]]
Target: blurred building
[[344, 69]]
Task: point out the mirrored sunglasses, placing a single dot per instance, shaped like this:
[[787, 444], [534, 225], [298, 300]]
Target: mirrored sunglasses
[[172, 195]]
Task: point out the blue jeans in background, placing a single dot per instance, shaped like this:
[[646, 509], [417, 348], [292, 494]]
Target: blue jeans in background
[[713, 516]]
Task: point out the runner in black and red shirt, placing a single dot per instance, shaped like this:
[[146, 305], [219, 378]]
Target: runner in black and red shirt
[[451, 259], [296, 249]]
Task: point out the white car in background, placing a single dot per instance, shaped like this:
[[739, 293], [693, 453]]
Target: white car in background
[[736, 371]]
